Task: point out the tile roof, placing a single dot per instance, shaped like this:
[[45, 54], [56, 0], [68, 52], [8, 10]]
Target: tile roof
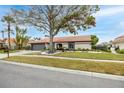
[[1, 41], [119, 39], [6, 40], [12, 40], [65, 39]]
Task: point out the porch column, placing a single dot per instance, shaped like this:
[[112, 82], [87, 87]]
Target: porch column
[[55, 46]]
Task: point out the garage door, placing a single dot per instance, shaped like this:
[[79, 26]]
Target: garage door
[[38, 46]]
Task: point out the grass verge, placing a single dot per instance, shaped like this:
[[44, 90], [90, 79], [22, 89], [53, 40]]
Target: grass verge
[[101, 67]]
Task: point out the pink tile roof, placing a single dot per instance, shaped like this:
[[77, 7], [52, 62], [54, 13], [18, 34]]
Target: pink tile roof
[[12, 40], [65, 39], [119, 39], [6, 40], [1, 41]]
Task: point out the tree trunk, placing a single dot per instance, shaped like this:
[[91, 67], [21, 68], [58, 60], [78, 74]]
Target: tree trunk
[[9, 35], [51, 46], [8, 53], [9, 39], [3, 38]]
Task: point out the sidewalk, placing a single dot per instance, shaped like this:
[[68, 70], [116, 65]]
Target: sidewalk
[[95, 60]]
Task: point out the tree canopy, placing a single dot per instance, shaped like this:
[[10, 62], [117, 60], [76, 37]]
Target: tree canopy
[[94, 39], [55, 18]]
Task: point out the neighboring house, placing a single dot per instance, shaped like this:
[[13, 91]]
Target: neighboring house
[[5, 42], [119, 42], [12, 42], [68, 42], [1, 44]]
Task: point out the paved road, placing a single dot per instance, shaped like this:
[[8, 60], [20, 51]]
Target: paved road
[[12, 76]]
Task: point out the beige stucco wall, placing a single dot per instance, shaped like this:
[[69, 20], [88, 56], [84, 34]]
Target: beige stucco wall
[[121, 45], [83, 45], [65, 45], [13, 45], [47, 46]]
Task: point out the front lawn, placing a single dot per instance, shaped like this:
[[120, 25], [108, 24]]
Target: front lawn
[[11, 51], [101, 67], [103, 56]]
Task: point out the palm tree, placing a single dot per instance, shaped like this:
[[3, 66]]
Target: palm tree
[[21, 38], [9, 20]]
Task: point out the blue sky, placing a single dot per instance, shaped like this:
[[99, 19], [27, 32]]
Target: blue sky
[[109, 23]]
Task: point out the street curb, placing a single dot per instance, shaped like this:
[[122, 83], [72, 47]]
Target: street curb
[[78, 72]]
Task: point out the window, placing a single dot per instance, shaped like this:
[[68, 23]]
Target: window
[[71, 45]]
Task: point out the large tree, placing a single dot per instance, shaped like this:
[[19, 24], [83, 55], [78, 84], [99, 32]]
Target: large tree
[[55, 18], [8, 19]]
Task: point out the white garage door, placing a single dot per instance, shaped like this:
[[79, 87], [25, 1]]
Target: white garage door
[[38, 46]]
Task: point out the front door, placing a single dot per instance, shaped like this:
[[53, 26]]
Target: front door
[[71, 46], [59, 46]]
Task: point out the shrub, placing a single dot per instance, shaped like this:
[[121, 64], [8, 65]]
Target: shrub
[[79, 49], [103, 48], [28, 47], [85, 49], [44, 49], [120, 51]]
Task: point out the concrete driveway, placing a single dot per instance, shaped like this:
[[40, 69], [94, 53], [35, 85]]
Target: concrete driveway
[[16, 76], [22, 52]]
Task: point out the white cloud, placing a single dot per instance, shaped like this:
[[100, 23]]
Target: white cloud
[[115, 10], [122, 24]]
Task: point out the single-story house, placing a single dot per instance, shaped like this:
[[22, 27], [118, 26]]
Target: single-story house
[[12, 42], [5, 42], [119, 42], [68, 42]]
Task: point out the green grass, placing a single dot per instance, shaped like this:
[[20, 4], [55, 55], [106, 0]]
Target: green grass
[[1, 51], [101, 67], [11, 51], [102, 56]]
